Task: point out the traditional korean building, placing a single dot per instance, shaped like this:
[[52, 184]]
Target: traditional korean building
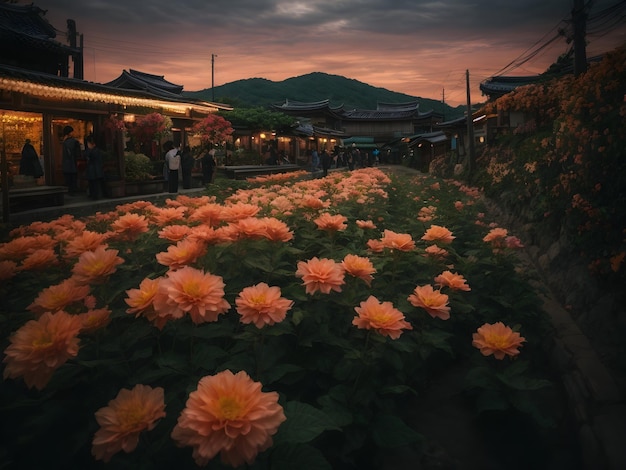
[[38, 98], [367, 128]]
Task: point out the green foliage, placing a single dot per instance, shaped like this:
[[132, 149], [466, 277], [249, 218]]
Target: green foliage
[[258, 118], [344, 390], [563, 170], [138, 167]]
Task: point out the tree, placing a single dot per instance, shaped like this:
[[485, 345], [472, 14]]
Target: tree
[[213, 129], [259, 118]]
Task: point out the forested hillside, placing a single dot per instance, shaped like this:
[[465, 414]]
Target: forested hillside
[[316, 86]]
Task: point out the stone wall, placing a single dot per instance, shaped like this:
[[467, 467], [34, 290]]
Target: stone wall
[[579, 348]]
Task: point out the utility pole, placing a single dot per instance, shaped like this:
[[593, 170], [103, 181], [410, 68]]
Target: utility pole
[[579, 20], [471, 162], [443, 101], [213, 56]]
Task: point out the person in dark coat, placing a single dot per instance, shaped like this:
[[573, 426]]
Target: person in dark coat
[[326, 161], [94, 171], [186, 165], [208, 166], [29, 164], [71, 153]]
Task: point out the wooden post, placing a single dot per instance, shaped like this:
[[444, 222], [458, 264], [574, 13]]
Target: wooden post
[[470, 132], [4, 168]]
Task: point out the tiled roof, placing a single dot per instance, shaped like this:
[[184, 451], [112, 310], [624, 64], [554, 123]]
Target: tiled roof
[[384, 111], [501, 85], [24, 26], [156, 84]]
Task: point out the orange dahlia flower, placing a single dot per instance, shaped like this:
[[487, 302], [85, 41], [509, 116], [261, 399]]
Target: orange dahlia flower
[[96, 266], [437, 233], [140, 300], [365, 224], [496, 235], [59, 296], [321, 275], [95, 319], [375, 246], [452, 280], [239, 211], [125, 417], [331, 223], [8, 269], [183, 253], [262, 305], [209, 214], [276, 230], [41, 258], [382, 317], [434, 251], [397, 241], [497, 339], [360, 267], [229, 415], [41, 346], [433, 301], [190, 290], [130, 226], [174, 233], [84, 241]]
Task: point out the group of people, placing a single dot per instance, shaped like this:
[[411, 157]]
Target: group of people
[[177, 159], [350, 157], [72, 154]]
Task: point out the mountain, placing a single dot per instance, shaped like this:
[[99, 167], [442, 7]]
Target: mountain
[[316, 86]]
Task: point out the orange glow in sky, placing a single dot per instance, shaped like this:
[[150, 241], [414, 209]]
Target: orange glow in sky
[[422, 49]]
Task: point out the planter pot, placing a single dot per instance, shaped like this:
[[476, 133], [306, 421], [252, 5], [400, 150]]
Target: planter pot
[[152, 186], [115, 188], [132, 188]]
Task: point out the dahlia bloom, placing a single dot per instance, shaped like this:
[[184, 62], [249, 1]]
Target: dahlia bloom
[[96, 266], [174, 233], [360, 267], [125, 417], [380, 316], [497, 339], [190, 290], [84, 241], [59, 297], [331, 223], [433, 301], [452, 280], [436, 252], [375, 246], [397, 241], [496, 235], [95, 319], [437, 233], [321, 275], [363, 224], [8, 269], [276, 230], [41, 346], [130, 226], [262, 305], [185, 252], [229, 415]]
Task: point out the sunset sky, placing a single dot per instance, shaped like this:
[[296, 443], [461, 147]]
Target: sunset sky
[[422, 48]]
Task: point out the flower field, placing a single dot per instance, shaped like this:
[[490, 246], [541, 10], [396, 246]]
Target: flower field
[[281, 325]]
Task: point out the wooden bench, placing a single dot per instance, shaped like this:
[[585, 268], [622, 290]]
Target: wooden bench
[[242, 172], [21, 199]]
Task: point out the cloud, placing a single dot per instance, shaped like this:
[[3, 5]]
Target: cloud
[[415, 47]]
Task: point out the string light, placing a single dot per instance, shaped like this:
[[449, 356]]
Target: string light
[[52, 92]]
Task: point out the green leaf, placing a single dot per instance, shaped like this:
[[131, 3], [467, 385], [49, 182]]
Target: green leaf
[[298, 456], [304, 423], [389, 431]]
